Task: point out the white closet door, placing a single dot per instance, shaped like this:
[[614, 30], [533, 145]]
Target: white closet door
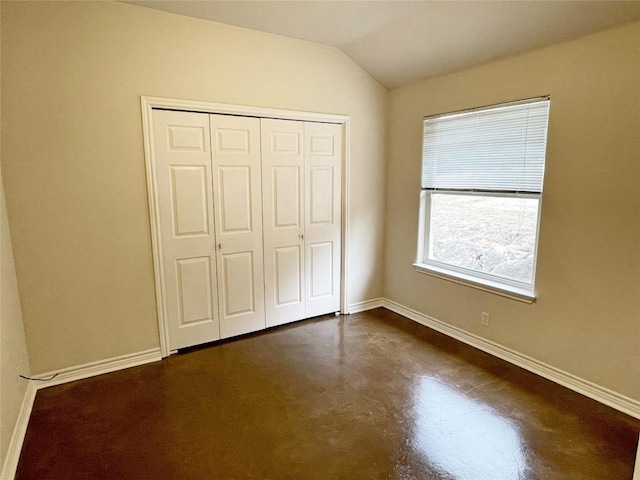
[[183, 176], [323, 219], [238, 223], [283, 210]]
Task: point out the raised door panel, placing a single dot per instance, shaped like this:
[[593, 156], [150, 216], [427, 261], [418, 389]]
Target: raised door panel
[[238, 272], [321, 195], [182, 176], [323, 226], [233, 141], [235, 190], [321, 283], [190, 202], [283, 194], [286, 198], [186, 138], [194, 290], [287, 278], [235, 147]]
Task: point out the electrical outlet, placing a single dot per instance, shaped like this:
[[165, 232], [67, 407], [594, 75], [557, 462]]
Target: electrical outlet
[[485, 319]]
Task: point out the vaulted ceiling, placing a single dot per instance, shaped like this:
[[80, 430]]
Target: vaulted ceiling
[[400, 42]]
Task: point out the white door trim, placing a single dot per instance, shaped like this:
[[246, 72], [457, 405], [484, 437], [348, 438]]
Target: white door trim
[[149, 103]]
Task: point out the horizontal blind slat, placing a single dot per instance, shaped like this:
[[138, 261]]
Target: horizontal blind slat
[[495, 149]]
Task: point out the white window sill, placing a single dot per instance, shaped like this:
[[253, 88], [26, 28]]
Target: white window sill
[[509, 291]]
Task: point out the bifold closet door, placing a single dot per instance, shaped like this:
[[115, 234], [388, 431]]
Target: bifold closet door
[[283, 215], [249, 218], [301, 174], [183, 180], [323, 217], [235, 146]]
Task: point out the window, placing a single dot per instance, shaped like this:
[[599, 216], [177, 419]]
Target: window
[[482, 175]]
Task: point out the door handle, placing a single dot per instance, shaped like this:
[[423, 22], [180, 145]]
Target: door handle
[[219, 246], [301, 236]]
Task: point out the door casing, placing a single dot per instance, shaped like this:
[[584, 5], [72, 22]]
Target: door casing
[[150, 103]]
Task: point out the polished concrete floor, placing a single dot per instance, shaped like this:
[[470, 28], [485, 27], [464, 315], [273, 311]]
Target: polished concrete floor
[[368, 396]]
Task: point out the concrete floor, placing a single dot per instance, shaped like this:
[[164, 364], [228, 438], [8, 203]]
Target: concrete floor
[[367, 396]]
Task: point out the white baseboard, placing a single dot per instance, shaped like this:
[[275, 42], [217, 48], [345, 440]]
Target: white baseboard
[[63, 376], [366, 305], [596, 392], [92, 369], [19, 431]]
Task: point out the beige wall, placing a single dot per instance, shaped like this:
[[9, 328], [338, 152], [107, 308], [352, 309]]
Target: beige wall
[[74, 176], [73, 74], [13, 348], [587, 317]]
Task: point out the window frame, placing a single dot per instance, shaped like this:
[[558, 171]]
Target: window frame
[[517, 290]]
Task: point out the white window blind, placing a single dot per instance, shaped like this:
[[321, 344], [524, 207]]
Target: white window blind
[[495, 149]]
